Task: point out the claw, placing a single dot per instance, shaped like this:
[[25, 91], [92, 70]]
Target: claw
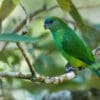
[[70, 71], [69, 68]]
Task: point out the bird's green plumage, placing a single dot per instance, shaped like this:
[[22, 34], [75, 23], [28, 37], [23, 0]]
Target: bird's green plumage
[[73, 48]]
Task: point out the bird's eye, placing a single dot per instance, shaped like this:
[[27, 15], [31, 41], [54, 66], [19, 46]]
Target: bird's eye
[[51, 21]]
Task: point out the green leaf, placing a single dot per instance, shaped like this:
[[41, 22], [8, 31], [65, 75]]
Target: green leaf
[[68, 4], [17, 38], [77, 17], [7, 7], [16, 1], [10, 56], [92, 40], [64, 4], [3, 57]]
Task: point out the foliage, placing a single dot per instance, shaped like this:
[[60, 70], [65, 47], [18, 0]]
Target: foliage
[[39, 43], [12, 37]]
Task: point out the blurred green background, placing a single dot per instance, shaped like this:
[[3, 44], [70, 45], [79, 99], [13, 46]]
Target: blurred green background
[[45, 56]]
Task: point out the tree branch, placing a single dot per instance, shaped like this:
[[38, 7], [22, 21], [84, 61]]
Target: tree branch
[[24, 53], [15, 75], [38, 77], [88, 6], [20, 26], [32, 70], [56, 79]]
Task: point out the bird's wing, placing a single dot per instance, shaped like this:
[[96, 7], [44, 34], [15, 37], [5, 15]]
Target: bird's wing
[[75, 47]]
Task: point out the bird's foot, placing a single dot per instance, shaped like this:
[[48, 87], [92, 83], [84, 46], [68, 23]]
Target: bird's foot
[[69, 68], [70, 71]]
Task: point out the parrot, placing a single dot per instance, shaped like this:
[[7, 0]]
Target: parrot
[[70, 45]]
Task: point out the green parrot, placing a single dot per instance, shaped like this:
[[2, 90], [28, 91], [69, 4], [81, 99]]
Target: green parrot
[[72, 47]]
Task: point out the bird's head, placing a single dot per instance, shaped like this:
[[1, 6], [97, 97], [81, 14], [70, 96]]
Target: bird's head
[[52, 23]]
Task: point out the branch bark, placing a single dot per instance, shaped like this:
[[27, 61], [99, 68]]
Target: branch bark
[[15, 75], [20, 26], [38, 77], [32, 70]]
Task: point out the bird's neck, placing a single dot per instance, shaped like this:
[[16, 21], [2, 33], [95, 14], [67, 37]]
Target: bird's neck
[[58, 34], [57, 38]]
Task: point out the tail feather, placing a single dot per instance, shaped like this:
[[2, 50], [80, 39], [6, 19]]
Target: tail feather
[[97, 72]]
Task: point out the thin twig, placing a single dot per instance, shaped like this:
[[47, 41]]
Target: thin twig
[[42, 10], [19, 45], [32, 70], [24, 53], [88, 6], [23, 8], [20, 26], [4, 46], [15, 75]]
